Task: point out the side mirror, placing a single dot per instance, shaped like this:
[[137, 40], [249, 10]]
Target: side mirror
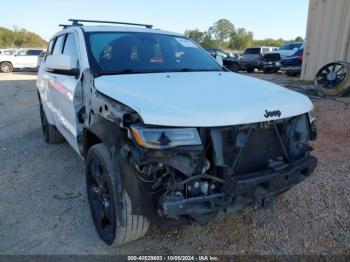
[[61, 64]]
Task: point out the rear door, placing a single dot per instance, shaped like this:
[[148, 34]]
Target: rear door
[[251, 55], [62, 88], [34, 57], [27, 58]]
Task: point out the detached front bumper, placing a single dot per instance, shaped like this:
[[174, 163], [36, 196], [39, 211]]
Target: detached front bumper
[[242, 191]]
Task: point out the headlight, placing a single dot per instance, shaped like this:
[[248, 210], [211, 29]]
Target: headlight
[[163, 138], [312, 115]]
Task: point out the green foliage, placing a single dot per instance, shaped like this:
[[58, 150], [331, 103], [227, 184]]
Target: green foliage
[[299, 39], [221, 31], [195, 35], [269, 42], [208, 41], [20, 38], [241, 39], [223, 35], [203, 38]]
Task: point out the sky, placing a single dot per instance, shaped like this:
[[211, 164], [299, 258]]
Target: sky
[[265, 18]]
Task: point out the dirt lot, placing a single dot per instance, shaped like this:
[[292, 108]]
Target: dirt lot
[[43, 207]]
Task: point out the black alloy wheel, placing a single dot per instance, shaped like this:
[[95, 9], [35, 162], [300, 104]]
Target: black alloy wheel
[[101, 200]]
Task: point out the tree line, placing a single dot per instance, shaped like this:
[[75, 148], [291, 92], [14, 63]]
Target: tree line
[[224, 35], [20, 38]]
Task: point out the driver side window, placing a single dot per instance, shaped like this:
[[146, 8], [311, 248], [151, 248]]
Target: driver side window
[[70, 48]]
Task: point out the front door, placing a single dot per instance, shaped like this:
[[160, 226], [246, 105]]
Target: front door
[[62, 89]]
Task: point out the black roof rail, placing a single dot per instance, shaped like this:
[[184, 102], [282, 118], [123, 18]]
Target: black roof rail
[[64, 26], [76, 22]]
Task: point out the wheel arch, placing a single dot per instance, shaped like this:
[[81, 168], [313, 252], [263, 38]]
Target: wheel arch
[[46, 109], [102, 131], [6, 61]]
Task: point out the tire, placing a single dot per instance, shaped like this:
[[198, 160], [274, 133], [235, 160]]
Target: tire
[[50, 132], [291, 74], [338, 86], [235, 68], [250, 70], [108, 200], [267, 71], [6, 67], [284, 191]]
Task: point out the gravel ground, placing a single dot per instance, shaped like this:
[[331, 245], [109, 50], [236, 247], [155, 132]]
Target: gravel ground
[[43, 207]]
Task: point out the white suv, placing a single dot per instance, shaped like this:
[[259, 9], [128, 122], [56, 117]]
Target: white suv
[[22, 58], [167, 135]]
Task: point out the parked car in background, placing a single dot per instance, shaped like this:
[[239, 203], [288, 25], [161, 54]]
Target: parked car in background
[[271, 63], [22, 58], [42, 57], [236, 54], [288, 49], [230, 62], [252, 58], [7, 51], [292, 64]]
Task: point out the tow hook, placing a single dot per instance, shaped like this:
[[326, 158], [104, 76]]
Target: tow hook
[[267, 202]]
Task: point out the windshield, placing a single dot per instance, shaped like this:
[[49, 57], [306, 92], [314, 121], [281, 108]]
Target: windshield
[[252, 51], [128, 53], [290, 46]]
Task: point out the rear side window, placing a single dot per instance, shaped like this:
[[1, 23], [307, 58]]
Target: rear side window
[[57, 49], [70, 48], [252, 51]]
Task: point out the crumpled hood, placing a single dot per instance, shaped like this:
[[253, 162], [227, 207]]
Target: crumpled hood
[[202, 99]]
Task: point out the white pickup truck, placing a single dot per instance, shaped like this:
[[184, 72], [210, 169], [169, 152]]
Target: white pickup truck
[[22, 58]]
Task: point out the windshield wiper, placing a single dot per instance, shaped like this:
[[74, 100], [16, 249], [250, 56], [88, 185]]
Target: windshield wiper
[[122, 72], [186, 70], [131, 71], [198, 70]]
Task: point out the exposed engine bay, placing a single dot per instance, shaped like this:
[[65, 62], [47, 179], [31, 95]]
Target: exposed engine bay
[[233, 167], [173, 175]]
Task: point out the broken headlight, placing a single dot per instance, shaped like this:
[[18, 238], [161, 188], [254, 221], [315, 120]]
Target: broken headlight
[[163, 138]]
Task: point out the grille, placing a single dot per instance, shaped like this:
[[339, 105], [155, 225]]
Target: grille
[[261, 145]]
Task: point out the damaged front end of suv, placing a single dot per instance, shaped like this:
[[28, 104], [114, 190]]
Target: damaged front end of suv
[[168, 135], [180, 173]]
